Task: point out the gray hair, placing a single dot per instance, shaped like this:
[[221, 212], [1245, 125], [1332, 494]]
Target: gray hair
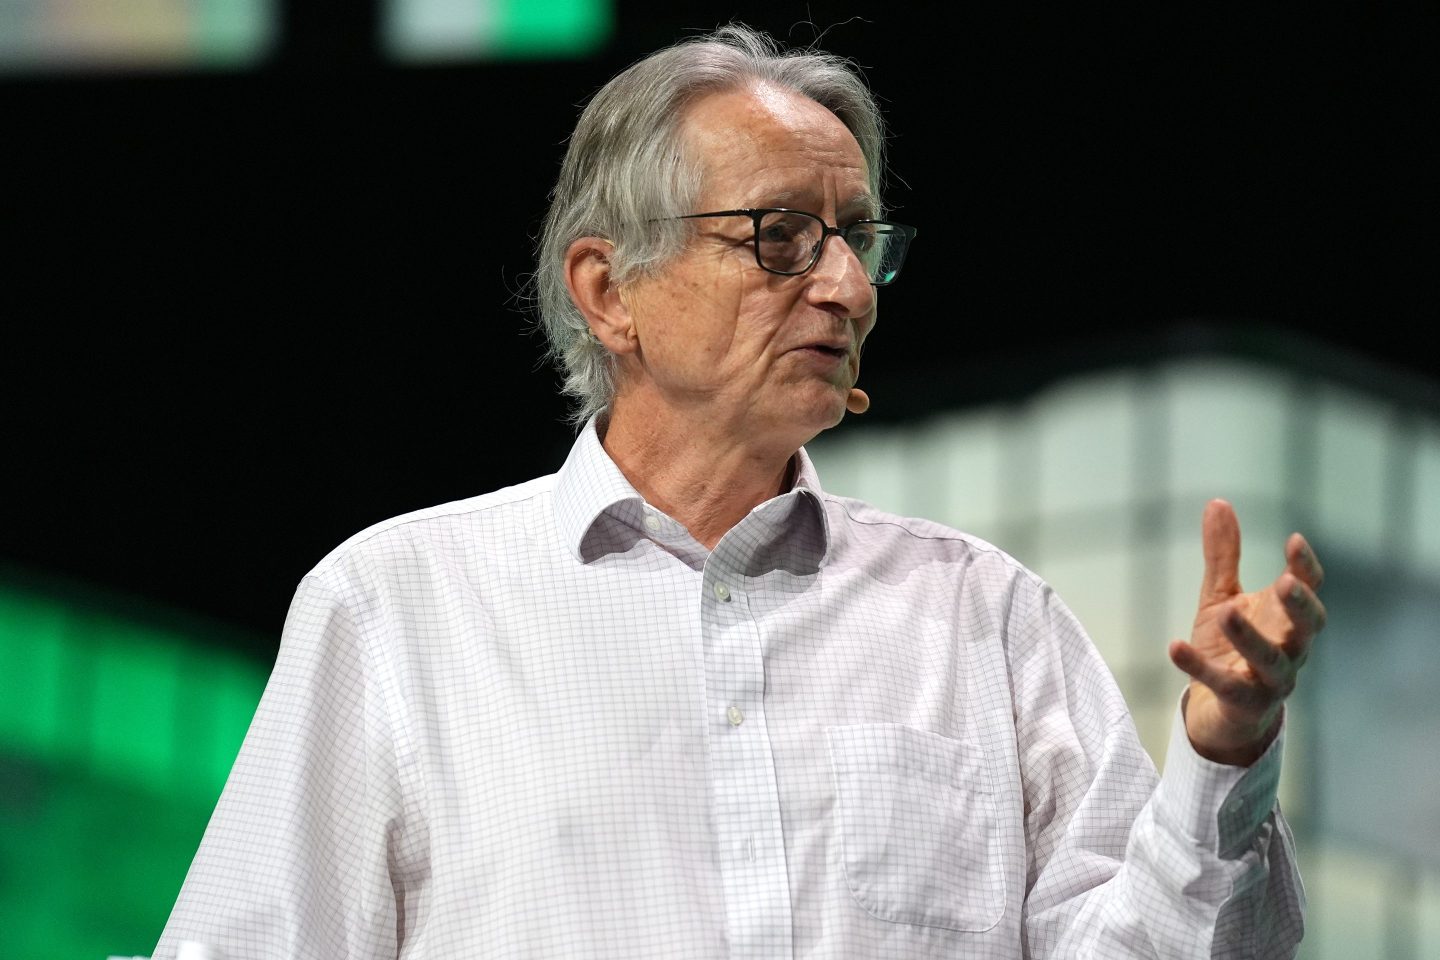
[[625, 174]]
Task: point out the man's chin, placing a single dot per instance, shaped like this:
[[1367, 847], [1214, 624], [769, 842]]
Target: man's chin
[[806, 410], [832, 410]]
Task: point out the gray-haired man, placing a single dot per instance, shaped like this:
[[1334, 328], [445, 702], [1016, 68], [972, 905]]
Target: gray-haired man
[[676, 700]]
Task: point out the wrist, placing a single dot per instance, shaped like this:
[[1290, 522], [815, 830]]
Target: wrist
[[1236, 744]]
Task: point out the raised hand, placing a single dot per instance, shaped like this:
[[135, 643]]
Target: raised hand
[[1246, 649]]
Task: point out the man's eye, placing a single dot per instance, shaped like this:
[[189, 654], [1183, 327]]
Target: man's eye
[[861, 239], [777, 233], [785, 228]]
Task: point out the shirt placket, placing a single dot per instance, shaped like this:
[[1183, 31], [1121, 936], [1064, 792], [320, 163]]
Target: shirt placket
[[746, 795]]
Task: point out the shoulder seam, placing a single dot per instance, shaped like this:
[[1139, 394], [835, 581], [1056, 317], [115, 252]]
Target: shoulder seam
[[518, 493], [974, 543]]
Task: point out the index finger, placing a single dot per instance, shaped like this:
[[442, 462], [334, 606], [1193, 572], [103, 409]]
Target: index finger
[[1220, 538]]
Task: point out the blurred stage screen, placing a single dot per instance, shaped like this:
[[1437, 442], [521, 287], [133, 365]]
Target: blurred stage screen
[[90, 35]]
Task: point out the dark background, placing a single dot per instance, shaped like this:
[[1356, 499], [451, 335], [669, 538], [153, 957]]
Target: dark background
[[248, 314]]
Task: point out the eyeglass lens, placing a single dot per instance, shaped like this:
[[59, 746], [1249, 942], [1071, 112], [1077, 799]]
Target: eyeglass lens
[[788, 242]]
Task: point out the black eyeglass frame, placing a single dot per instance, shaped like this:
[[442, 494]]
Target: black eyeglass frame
[[826, 232]]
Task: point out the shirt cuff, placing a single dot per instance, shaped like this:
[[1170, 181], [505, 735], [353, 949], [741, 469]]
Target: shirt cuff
[[1220, 807]]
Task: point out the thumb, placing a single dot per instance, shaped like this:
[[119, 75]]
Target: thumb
[[1220, 536], [858, 401]]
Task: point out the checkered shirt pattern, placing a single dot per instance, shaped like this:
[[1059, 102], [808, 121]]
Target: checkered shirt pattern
[[547, 722]]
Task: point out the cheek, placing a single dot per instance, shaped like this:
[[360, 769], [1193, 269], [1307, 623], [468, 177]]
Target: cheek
[[765, 311], [719, 318], [715, 323], [686, 331], [865, 326]]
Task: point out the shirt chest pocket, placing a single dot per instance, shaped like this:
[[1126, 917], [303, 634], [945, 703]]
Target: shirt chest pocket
[[918, 824]]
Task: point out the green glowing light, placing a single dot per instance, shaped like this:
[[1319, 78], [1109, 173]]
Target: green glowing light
[[422, 31], [552, 27], [116, 735]]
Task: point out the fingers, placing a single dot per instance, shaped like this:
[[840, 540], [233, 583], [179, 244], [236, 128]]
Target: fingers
[[1296, 589], [1306, 612], [1229, 686], [1246, 650], [1271, 665], [1300, 560], [1187, 658], [1270, 679], [1220, 535], [1302, 603]]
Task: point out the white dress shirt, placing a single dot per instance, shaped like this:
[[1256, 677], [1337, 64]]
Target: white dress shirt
[[547, 722]]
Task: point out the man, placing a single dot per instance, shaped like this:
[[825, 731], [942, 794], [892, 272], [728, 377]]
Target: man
[[677, 701]]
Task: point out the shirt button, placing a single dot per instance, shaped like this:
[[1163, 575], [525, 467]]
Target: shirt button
[[722, 591], [734, 716], [652, 522]]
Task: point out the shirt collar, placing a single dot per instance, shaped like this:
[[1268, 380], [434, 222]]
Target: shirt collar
[[807, 484], [589, 485]]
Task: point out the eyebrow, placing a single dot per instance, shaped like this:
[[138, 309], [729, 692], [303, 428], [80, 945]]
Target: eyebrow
[[859, 206]]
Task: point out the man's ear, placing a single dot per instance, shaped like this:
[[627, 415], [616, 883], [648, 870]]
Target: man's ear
[[587, 276]]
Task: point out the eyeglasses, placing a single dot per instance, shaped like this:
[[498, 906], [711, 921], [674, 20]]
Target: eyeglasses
[[789, 242]]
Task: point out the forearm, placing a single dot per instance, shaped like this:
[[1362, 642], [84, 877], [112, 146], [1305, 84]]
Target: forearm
[[1208, 871]]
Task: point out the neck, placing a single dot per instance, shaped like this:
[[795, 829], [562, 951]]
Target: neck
[[703, 475]]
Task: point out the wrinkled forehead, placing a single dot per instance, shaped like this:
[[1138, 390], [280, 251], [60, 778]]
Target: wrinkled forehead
[[770, 146]]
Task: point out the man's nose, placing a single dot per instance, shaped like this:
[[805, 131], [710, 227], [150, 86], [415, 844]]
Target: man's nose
[[839, 280]]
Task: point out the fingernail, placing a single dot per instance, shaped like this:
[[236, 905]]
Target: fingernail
[[1296, 593]]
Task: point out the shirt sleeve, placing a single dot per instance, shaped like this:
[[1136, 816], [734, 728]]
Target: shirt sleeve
[[1122, 863], [298, 859]]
